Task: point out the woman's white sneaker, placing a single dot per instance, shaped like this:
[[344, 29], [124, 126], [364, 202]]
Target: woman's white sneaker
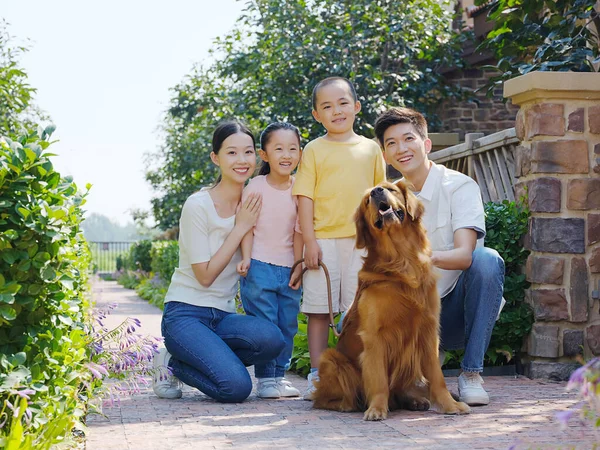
[[285, 388], [164, 384], [267, 388], [470, 390]]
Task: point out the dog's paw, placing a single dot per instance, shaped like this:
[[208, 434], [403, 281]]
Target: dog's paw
[[456, 408], [417, 404], [374, 413]]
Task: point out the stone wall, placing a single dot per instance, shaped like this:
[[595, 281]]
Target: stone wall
[[558, 163], [479, 113]]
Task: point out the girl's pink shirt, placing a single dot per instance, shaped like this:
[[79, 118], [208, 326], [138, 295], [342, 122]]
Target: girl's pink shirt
[[274, 231]]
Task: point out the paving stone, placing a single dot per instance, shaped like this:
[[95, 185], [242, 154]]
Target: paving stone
[[521, 414]]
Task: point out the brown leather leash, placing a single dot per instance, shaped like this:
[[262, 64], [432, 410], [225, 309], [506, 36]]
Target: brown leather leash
[[328, 280]]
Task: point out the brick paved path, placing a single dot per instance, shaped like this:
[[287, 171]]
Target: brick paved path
[[520, 416]]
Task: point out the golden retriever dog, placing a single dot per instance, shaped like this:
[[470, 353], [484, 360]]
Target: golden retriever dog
[[387, 355]]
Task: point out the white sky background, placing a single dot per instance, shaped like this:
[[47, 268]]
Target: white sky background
[[102, 71]]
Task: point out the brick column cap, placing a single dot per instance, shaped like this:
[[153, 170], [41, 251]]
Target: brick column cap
[[552, 85]]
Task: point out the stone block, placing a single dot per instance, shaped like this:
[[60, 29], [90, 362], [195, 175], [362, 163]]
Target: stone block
[[594, 119], [563, 156], [576, 121], [572, 342], [593, 227], [557, 235], [545, 119], [543, 341], [592, 336], [551, 370], [549, 304], [544, 195], [522, 161], [578, 292], [521, 190], [583, 194], [545, 269], [595, 260]]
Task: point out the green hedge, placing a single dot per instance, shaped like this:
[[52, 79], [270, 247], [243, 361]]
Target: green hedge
[[43, 288]]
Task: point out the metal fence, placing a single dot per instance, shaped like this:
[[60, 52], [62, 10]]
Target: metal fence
[[105, 254], [489, 160]]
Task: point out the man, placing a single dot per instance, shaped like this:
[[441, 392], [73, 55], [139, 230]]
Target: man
[[471, 278]]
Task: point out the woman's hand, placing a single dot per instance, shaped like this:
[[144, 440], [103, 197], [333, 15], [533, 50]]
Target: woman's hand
[[247, 213], [242, 267], [297, 277]]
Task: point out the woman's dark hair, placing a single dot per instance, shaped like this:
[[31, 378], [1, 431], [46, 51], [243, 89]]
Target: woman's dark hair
[[265, 136], [223, 131]]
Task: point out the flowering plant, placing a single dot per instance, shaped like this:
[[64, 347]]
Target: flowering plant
[[587, 380], [120, 357]]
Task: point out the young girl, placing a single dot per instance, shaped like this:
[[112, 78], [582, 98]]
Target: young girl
[[269, 252], [208, 345]]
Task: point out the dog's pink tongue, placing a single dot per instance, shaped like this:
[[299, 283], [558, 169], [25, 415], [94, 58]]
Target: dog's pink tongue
[[387, 211]]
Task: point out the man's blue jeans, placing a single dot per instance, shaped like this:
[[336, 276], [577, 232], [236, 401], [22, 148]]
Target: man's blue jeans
[[470, 310], [211, 348], [265, 294]]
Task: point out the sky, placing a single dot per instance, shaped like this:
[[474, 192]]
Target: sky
[[103, 71]]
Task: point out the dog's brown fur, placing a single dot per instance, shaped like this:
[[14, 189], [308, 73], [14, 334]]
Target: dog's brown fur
[[387, 354]]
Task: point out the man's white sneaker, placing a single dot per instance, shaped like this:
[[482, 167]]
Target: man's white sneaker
[[470, 390], [310, 390], [285, 388], [267, 388], [164, 384]]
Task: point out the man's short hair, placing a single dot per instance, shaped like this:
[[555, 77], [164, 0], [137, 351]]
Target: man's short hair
[[396, 115], [328, 81]]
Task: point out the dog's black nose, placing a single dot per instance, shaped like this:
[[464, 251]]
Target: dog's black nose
[[375, 191]]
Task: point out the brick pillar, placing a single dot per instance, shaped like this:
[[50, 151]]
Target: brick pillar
[[558, 163]]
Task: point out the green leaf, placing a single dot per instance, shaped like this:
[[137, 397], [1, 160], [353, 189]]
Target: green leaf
[[7, 312]]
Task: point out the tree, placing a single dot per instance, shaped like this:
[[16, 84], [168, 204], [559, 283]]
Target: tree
[[265, 70], [17, 113], [544, 35]]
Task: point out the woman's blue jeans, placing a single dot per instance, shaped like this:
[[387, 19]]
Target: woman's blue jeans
[[469, 311], [265, 294], [210, 348]]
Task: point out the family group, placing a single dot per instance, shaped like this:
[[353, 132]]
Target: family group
[[249, 234]]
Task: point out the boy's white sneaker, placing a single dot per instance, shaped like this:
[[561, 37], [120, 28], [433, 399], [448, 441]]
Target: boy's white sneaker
[[310, 390], [285, 388], [267, 388], [470, 390], [164, 384]]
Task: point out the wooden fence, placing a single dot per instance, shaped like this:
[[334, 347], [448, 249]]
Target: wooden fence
[[489, 160]]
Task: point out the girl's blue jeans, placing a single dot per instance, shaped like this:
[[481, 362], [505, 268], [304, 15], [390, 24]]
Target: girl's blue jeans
[[210, 348], [469, 311], [265, 294]]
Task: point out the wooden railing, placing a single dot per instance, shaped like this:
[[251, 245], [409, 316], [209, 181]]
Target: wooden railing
[[489, 160]]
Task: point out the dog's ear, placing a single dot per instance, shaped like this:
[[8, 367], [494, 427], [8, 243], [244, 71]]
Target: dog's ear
[[414, 207], [363, 234]]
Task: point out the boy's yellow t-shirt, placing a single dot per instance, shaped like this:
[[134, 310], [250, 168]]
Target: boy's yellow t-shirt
[[335, 175]]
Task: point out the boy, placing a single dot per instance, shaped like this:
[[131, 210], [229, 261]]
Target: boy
[[471, 277], [333, 175]]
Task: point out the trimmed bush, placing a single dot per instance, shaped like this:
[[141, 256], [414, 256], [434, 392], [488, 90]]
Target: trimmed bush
[[43, 286], [140, 257], [165, 258]]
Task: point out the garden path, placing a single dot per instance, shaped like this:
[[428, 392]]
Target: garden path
[[520, 416]]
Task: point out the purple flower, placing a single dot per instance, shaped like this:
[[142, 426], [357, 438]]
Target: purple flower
[[564, 416]]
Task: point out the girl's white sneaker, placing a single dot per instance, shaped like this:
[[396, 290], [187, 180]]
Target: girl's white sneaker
[[267, 388], [285, 388]]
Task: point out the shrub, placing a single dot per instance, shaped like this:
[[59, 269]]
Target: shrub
[[129, 279], [140, 257], [43, 283], [153, 290], [165, 258]]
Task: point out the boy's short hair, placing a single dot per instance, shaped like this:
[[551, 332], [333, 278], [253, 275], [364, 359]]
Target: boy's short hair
[[396, 115], [328, 81]]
